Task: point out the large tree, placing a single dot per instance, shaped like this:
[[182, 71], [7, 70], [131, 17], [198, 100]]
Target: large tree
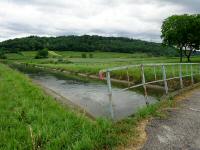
[[175, 32], [193, 39], [183, 32]]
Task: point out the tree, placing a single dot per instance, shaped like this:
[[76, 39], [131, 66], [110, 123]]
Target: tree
[[175, 32], [84, 55], [183, 32], [2, 54], [42, 53], [193, 40]]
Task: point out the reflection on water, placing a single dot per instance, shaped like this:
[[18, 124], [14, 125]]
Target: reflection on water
[[93, 96]]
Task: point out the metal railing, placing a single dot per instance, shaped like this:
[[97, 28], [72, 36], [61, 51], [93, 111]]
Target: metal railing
[[176, 72]]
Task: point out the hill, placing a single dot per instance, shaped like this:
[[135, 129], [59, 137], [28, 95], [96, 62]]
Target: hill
[[87, 43]]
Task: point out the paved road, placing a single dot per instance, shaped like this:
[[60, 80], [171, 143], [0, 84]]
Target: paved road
[[180, 131]]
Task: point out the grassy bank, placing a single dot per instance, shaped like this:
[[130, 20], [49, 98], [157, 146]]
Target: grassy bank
[[29, 119]]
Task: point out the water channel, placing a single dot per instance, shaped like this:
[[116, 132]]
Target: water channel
[[90, 95]]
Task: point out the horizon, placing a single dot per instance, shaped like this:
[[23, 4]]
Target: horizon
[[135, 20]]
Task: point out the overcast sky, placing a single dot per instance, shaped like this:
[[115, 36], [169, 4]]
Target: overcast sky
[[140, 19]]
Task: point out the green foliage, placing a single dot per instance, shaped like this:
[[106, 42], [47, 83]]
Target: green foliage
[[88, 43], [90, 55], [42, 54], [2, 55], [84, 55], [182, 31]]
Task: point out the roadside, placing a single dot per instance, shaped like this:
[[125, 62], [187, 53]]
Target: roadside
[[181, 130]]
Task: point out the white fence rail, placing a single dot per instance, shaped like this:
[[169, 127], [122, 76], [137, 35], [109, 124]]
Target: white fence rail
[[177, 71]]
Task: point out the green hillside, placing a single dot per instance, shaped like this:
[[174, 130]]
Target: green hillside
[[87, 43]]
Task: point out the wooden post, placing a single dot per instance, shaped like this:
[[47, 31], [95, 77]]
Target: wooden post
[[144, 85], [180, 74], [165, 79], [192, 78], [110, 94]]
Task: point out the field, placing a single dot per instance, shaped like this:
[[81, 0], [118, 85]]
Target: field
[[29, 119], [73, 62]]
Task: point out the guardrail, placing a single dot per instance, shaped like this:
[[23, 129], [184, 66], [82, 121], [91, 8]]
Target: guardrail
[[177, 71]]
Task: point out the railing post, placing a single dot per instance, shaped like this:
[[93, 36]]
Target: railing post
[[155, 75], [165, 79], [180, 74], [192, 78], [144, 85], [110, 94]]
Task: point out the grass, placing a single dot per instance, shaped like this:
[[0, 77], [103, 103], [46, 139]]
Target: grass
[[72, 61], [29, 119]]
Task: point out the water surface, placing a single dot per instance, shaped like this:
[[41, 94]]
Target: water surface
[[93, 97]]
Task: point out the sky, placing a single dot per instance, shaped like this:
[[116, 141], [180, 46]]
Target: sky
[[138, 19]]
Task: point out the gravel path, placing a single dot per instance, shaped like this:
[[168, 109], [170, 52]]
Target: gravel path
[[180, 131]]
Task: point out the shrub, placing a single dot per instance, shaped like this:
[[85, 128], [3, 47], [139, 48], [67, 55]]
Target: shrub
[[83, 55], [42, 54], [91, 55], [2, 55]]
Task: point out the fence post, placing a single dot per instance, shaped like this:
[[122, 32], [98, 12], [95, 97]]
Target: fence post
[[165, 79], [144, 85], [180, 74], [155, 75], [192, 78], [110, 94]]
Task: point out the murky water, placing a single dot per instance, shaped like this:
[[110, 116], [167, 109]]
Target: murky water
[[93, 97]]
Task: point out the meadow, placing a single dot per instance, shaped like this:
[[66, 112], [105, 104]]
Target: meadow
[[95, 61]]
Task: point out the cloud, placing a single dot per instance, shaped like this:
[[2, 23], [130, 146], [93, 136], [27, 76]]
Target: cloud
[[136, 19]]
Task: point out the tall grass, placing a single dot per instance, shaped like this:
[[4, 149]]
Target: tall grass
[[31, 120]]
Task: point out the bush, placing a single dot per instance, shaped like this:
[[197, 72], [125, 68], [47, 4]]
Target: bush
[[42, 54], [2, 55], [91, 55], [83, 55]]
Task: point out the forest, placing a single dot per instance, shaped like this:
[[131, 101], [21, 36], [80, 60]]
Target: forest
[[87, 43]]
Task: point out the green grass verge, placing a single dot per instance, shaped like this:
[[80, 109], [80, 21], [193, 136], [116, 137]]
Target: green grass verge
[[29, 119]]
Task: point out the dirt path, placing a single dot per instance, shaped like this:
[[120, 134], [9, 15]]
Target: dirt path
[[181, 130]]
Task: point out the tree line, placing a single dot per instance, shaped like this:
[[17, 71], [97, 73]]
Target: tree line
[[87, 43], [182, 32]]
